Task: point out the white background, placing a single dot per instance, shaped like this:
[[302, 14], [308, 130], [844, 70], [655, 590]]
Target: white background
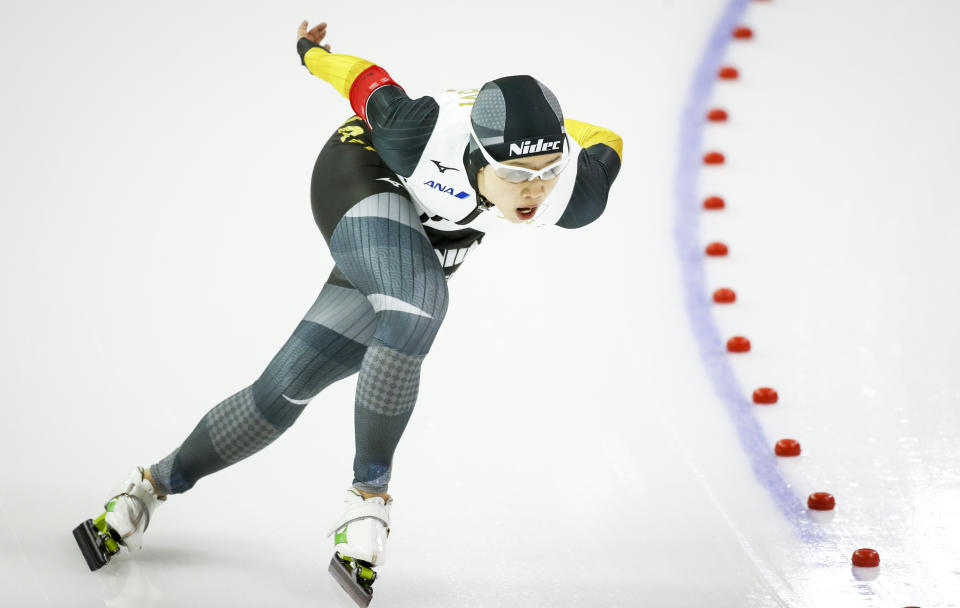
[[568, 448]]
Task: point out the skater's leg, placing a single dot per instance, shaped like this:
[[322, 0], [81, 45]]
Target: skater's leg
[[326, 346], [381, 247]]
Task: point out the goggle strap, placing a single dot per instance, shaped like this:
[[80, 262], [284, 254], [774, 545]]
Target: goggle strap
[[533, 174]]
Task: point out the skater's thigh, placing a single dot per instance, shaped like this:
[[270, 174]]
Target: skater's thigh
[[342, 310], [381, 248], [377, 239]]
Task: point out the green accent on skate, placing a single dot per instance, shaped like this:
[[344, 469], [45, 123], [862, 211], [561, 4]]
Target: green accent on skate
[[111, 545], [341, 537], [366, 573], [101, 524]]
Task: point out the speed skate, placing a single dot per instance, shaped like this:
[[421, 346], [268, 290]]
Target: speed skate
[[360, 540]]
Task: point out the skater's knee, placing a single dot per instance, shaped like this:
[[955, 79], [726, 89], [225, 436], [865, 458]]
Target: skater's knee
[[411, 328]]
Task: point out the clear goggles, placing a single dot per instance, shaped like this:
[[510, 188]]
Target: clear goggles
[[516, 175]]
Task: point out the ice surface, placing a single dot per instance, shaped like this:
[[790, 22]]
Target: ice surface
[[158, 249]]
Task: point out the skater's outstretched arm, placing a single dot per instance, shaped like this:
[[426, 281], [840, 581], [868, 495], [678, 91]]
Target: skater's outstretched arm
[[400, 126], [597, 167]]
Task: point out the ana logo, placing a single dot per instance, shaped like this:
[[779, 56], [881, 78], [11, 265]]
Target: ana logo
[[530, 148], [445, 189]]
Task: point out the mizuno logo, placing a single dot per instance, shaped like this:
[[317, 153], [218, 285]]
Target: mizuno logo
[[541, 146], [442, 168], [445, 189], [387, 179]]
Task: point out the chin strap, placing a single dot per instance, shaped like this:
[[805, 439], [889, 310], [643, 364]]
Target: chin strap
[[482, 205]]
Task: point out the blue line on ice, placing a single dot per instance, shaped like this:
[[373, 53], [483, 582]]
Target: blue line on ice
[[698, 304]]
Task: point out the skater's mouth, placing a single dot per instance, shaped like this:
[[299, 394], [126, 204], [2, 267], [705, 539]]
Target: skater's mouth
[[526, 213]]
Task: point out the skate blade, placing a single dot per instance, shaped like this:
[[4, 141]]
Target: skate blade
[[88, 539], [344, 576]]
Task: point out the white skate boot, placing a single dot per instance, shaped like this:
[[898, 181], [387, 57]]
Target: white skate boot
[[126, 517], [360, 543], [130, 508]]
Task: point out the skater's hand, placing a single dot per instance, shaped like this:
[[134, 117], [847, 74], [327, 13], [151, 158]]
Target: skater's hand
[[315, 35]]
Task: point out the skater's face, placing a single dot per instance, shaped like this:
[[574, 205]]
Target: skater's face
[[518, 202]]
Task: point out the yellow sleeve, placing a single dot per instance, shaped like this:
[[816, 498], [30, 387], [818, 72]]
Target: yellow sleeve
[[338, 70], [588, 135]]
